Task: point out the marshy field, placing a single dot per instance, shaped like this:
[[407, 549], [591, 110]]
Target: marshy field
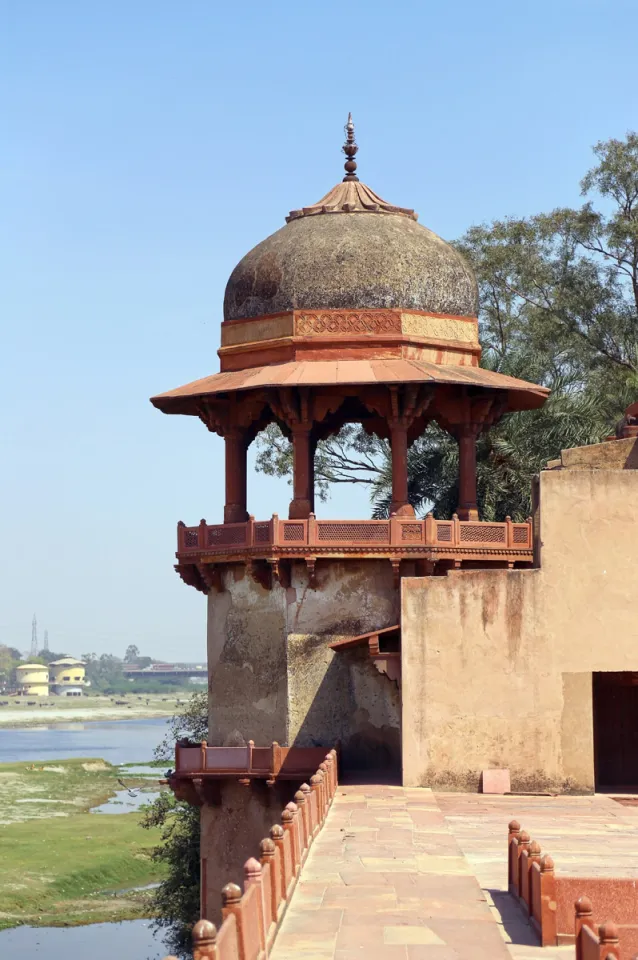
[[71, 844]]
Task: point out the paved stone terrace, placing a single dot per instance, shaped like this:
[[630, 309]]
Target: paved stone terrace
[[400, 874]]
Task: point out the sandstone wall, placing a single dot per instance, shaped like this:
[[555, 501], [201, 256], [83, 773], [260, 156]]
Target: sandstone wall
[[273, 676], [231, 831], [497, 665]]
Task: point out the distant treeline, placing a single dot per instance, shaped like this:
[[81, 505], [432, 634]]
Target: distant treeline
[[105, 673]]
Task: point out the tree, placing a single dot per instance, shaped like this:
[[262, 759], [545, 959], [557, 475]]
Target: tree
[[565, 284], [9, 660], [48, 656], [559, 306], [176, 901], [105, 673], [132, 654]]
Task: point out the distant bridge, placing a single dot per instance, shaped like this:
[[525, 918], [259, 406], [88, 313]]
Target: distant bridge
[[158, 670]]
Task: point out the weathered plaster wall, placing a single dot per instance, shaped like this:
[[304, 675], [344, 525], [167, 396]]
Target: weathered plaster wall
[[273, 676], [247, 671], [497, 664], [340, 696], [232, 830]]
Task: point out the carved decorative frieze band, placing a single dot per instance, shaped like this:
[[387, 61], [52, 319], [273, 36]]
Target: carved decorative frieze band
[[331, 323]]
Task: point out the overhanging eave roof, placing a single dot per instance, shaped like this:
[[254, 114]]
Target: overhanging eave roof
[[315, 373]]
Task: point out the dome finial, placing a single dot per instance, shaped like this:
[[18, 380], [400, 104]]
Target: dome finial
[[350, 148]]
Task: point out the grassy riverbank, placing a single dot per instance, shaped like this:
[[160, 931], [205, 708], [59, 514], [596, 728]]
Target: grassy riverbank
[[60, 788], [64, 872], [62, 865]]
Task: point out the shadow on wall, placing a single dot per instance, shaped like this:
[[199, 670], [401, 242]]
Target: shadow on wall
[[353, 705]]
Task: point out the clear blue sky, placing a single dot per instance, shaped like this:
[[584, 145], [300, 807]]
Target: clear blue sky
[[146, 147]]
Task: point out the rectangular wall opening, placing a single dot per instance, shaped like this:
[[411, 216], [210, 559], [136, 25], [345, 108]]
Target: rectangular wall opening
[[615, 702]]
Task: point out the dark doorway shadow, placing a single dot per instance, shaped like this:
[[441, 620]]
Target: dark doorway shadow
[[615, 709], [358, 717]]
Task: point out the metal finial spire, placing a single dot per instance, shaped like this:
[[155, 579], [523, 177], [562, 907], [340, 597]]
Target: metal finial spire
[[350, 148]]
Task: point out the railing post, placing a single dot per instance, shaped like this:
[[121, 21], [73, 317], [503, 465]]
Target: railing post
[[250, 745], [204, 941], [252, 878], [202, 535], [530, 533], [509, 532], [533, 856], [268, 852], [316, 785], [231, 906], [430, 530], [323, 769], [277, 837], [312, 530], [513, 833], [289, 823], [275, 761], [300, 800], [456, 530], [180, 535], [274, 526], [548, 902], [608, 936], [335, 762], [583, 919], [250, 531], [305, 789], [203, 745], [523, 845], [394, 530], [329, 762]]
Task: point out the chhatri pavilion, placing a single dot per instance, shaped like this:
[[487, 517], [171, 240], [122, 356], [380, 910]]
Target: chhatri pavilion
[[350, 313]]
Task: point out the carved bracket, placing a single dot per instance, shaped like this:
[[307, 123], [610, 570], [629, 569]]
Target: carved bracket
[[191, 576], [211, 575], [261, 572], [280, 570]]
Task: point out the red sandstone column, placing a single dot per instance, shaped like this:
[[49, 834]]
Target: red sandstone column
[[467, 508], [235, 508], [399, 446], [303, 480]]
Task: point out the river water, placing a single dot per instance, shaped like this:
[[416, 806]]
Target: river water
[[116, 741], [132, 940], [122, 741]]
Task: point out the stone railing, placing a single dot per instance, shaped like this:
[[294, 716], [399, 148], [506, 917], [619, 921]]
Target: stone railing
[[251, 918], [291, 535], [595, 941], [549, 900], [270, 763]]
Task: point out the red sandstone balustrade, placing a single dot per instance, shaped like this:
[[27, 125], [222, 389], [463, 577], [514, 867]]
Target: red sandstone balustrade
[[270, 763], [250, 919], [604, 941], [548, 899], [254, 536]]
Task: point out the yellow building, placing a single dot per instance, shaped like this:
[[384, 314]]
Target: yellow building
[[67, 677], [33, 679]]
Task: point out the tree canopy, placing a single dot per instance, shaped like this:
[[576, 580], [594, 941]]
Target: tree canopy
[[558, 295], [176, 900]]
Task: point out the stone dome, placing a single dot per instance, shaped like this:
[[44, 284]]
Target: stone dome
[[351, 251]]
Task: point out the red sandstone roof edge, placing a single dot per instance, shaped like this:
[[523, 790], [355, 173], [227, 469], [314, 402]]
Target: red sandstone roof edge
[[524, 395]]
